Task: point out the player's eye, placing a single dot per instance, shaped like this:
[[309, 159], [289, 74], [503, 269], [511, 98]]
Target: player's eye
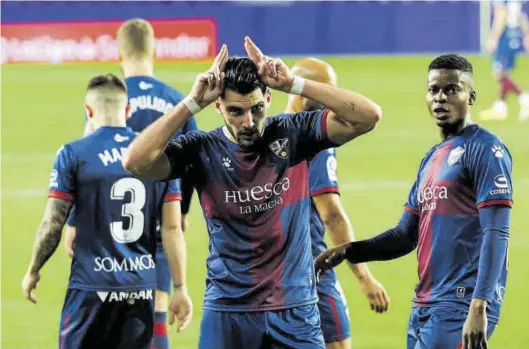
[[257, 109], [432, 89], [451, 90], [234, 111]]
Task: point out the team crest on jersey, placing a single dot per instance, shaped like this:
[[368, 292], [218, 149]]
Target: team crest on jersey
[[454, 155], [279, 147]]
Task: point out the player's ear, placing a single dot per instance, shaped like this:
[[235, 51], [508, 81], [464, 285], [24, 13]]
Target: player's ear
[[89, 112], [127, 111], [217, 106], [268, 97], [472, 98]]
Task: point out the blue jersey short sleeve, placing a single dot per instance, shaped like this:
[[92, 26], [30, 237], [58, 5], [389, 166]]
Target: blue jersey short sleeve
[[323, 176], [173, 191], [491, 172], [308, 130], [62, 177], [412, 205], [182, 152]]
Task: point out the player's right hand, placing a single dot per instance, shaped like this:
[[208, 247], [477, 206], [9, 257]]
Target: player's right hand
[[181, 307], [208, 86], [329, 259], [29, 284]]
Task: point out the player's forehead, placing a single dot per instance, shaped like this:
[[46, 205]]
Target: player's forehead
[[234, 99], [446, 77]]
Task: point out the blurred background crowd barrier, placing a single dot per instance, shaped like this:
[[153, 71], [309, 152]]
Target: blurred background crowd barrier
[[85, 31]]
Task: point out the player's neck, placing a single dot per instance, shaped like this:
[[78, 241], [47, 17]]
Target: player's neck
[[110, 121], [228, 134], [137, 68], [454, 130]]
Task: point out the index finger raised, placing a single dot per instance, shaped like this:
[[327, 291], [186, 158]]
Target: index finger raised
[[253, 51], [221, 57]]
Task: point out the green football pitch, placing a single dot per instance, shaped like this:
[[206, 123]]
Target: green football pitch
[[42, 109]]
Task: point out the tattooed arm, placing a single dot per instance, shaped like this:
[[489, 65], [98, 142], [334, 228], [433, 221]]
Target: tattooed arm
[[46, 242]]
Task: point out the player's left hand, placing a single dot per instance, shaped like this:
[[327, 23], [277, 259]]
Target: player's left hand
[[376, 293], [329, 259], [272, 71], [29, 284], [475, 327], [181, 307]]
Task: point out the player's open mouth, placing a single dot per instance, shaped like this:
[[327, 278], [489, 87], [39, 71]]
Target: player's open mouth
[[440, 110]]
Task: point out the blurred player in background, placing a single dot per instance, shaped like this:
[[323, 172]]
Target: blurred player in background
[[508, 36], [109, 302], [328, 215], [458, 215], [252, 179], [149, 98]]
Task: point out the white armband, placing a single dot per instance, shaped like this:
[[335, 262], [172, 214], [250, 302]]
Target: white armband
[[192, 105], [297, 86]]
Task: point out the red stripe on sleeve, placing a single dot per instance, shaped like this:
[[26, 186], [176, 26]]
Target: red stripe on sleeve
[[172, 197], [60, 195], [495, 202], [323, 124], [411, 210], [325, 191]]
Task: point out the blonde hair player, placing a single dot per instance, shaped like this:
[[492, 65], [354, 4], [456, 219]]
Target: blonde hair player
[[149, 98]]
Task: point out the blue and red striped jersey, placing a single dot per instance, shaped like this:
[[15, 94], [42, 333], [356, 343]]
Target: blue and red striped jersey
[[256, 205], [117, 215], [323, 179], [456, 178]]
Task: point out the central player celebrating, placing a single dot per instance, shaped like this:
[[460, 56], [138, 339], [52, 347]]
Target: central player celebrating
[[252, 180]]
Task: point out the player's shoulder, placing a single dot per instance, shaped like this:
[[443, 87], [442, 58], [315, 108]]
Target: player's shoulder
[[480, 136], [198, 136]]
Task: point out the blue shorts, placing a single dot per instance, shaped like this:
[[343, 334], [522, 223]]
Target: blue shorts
[[333, 311], [289, 328], [504, 61], [438, 327], [107, 320], [163, 273]]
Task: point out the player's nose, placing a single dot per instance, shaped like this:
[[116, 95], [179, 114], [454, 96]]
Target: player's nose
[[247, 121], [440, 97]]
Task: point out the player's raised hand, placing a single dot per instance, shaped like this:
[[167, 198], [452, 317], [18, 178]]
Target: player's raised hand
[[375, 293], [29, 284], [272, 71], [475, 327], [208, 86], [329, 259], [181, 307]]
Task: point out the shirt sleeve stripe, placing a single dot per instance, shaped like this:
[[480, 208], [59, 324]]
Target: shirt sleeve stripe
[[411, 210], [325, 191], [172, 197], [324, 123], [60, 195], [495, 202]]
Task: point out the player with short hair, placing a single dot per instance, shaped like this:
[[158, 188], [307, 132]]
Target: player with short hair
[[148, 98], [109, 302], [508, 36], [327, 214], [252, 179], [457, 215]]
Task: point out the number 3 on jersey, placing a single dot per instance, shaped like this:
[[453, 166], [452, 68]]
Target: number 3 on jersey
[[131, 210]]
